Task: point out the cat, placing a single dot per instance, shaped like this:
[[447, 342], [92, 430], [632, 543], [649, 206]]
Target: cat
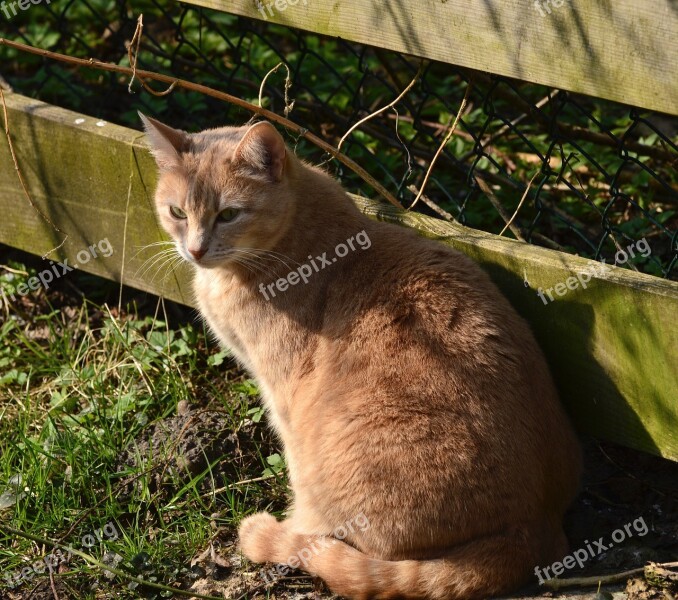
[[405, 389]]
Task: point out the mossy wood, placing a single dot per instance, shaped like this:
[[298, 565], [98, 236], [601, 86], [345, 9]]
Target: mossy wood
[[93, 180], [611, 346], [626, 50]]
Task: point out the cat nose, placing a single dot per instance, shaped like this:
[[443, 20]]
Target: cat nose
[[197, 254]]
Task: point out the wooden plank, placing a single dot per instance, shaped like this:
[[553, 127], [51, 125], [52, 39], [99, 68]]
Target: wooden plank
[[81, 172], [611, 346], [625, 50]]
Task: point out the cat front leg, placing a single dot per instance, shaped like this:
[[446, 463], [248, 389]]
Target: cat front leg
[[265, 539], [260, 537]]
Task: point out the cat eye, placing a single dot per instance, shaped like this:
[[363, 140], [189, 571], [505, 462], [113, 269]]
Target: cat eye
[[177, 213], [228, 214]]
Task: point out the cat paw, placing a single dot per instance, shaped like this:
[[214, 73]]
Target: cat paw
[[259, 536]]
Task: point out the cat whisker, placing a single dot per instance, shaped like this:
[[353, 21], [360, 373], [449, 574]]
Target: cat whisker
[[244, 264], [146, 265], [252, 264], [159, 243], [172, 264], [268, 268], [151, 261], [155, 260], [252, 260], [273, 255], [140, 249], [167, 264], [265, 255]]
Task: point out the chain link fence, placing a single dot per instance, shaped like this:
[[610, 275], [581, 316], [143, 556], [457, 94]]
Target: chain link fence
[[569, 172]]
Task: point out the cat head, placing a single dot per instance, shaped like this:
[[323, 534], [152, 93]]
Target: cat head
[[222, 192]]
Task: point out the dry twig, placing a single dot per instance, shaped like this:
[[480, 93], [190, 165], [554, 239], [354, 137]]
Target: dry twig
[[207, 91], [133, 54], [487, 190], [51, 583], [288, 84], [432, 205], [442, 145], [515, 214], [383, 108], [649, 570]]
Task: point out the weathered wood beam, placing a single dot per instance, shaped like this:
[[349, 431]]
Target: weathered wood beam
[[94, 181], [625, 50], [611, 346]]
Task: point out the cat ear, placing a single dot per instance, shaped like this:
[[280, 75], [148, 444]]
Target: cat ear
[[166, 143], [262, 149]]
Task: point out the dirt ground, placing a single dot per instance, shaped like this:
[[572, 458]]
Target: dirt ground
[[628, 504]]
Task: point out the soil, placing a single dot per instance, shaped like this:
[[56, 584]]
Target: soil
[[625, 516], [181, 447], [624, 492]]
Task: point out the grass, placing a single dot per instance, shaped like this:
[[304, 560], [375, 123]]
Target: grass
[[80, 385]]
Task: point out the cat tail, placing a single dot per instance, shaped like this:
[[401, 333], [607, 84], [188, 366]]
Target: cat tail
[[482, 568]]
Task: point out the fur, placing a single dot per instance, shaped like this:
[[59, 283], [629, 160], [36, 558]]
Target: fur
[[402, 384]]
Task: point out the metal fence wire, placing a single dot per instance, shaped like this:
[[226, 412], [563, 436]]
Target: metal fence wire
[[596, 176]]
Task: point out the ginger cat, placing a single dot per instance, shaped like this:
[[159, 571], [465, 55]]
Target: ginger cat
[[417, 413]]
